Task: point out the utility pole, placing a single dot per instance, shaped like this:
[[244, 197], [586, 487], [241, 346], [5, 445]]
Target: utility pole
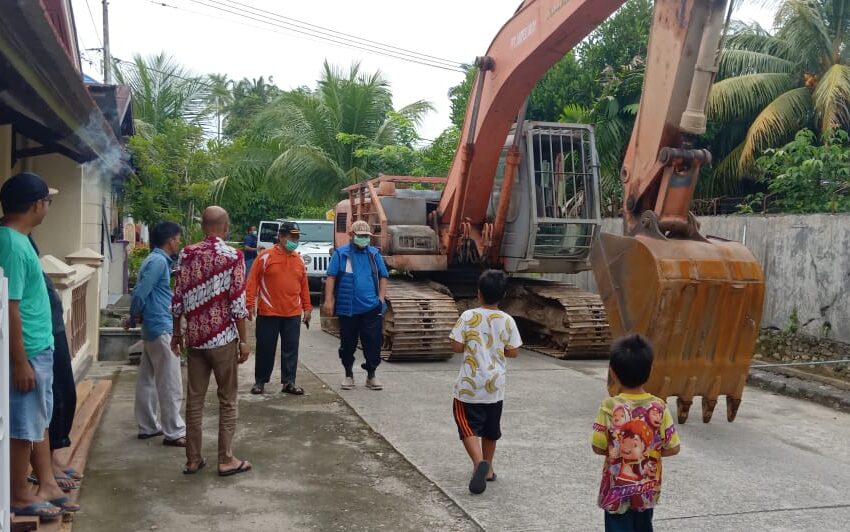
[[107, 57]]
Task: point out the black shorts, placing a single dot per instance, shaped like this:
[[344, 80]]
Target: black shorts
[[478, 419]]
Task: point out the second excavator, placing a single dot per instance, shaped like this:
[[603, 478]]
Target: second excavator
[[531, 205]]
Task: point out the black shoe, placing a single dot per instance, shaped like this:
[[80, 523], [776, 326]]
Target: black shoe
[[257, 389], [478, 482]]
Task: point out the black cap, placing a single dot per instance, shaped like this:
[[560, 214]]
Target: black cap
[[25, 188], [289, 228]]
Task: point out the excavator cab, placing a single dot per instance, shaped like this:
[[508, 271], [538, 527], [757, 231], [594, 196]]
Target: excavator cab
[[554, 214]]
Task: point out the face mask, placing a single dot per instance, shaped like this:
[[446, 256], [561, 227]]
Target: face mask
[[291, 246], [361, 241]]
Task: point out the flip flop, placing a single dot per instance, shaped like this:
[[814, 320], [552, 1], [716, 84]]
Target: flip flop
[[177, 442], [33, 510], [149, 436], [493, 478], [65, 504], [71, 483], [201, 465], [236, 471], [478, 482], [73, 473]]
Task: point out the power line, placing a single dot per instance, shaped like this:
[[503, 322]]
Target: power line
[[315, 35], [335, 33], [334, 39], [91, 17]]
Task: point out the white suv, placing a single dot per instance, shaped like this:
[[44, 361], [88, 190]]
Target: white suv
[[315, 247]]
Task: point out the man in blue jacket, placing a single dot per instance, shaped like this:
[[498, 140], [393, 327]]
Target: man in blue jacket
[[159, 388], [355, 291]]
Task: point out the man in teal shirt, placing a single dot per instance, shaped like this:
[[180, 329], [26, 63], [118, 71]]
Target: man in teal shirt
[[25, 199]]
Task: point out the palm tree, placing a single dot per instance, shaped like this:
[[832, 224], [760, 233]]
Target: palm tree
[[220, 97], [773, 84], [163, 90], [324, 134]]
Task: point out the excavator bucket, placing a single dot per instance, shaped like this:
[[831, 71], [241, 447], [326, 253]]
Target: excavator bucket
[[698, 301]]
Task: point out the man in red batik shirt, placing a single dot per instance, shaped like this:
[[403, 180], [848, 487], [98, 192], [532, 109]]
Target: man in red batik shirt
[[210, 292]]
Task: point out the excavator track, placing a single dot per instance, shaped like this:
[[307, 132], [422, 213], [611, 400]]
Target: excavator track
[[418, 322], [558, 319]]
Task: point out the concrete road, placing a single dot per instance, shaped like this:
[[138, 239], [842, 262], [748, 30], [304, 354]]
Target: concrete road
[[782, 465], [317, 466]]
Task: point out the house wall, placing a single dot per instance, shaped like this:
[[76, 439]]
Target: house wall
[[805, 260], [60, 234]]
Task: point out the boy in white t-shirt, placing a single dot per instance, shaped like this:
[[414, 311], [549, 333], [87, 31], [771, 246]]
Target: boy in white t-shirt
[[487, 337]]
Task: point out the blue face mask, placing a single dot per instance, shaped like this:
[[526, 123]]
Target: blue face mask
[[291, 246], [361, 241]]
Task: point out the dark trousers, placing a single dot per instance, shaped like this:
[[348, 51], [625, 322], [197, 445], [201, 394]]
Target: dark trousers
[[269, 328], [631, 521], [369, 329], [64, 394]]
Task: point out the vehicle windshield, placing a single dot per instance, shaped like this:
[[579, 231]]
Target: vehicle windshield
[[316, 232]]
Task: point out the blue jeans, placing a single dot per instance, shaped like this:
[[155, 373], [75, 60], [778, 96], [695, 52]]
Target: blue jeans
[[631, 521], [30, 412]]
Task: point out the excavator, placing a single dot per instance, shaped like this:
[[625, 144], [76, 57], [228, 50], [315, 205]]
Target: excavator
[[530, 205]]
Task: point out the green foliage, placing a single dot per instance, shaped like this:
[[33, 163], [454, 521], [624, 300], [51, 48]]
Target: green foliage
[[163, 90], [171, 178], [806, 177], [579, 78], [134, 263], [794, 322], [773, 84], [459, 97], [343, 132], [438, 156], [247, 100]]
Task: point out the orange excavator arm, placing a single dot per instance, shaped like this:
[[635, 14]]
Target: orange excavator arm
[[539, 34]]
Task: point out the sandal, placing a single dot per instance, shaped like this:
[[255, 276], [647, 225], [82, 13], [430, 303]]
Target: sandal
[[177, 442], [188, 471], [149, 436], [42, 510], [292, 389], [66, 484], [241, 469], [65, 504], [493, 478], [73, 473], [257, 389]]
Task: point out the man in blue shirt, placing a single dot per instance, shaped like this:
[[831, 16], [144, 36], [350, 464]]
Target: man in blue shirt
[[355, 291], [159, 389], [249, 248]]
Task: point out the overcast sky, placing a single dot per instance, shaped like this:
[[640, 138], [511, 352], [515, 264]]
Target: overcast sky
[[207, 39]]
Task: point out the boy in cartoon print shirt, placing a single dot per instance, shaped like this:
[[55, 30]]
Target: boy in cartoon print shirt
[[633, 431]]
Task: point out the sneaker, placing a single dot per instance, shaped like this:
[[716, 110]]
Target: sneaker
[[348, 383], [374, 384]]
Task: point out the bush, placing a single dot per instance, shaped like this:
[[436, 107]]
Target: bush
[[134, 263], [807, 178]]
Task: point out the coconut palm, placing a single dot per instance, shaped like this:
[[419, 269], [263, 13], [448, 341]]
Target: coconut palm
[[219, 97], [324, 135], [163, 90], [773, 84]]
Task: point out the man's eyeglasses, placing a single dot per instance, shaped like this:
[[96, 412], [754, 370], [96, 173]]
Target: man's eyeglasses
[[47, 200]]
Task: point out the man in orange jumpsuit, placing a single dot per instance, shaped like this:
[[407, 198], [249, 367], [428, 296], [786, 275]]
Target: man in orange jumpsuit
[[279, 297]]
